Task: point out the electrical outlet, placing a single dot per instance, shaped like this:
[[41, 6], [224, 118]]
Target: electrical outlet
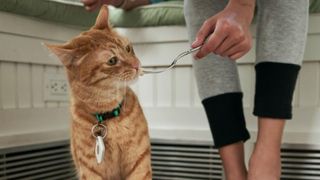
[[56, 87]]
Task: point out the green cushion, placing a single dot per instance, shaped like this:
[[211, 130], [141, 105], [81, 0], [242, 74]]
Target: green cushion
[[160, 14], [314, 6], [71, 13]]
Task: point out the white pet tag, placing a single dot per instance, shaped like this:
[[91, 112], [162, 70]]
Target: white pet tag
[[100, 149]]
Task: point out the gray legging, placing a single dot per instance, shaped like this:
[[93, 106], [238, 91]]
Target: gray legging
[[281, 37]]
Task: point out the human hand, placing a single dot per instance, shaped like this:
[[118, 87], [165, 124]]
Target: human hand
[[91, 5], [227, 33]]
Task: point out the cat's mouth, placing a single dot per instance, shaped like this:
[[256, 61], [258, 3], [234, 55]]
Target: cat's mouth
[[130, 76]]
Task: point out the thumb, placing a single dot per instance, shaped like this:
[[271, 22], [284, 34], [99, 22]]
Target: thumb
[[205, 30]]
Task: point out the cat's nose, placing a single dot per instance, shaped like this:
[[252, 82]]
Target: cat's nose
[[136, 65]]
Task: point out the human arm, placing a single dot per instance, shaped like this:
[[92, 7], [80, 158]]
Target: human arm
[[91, 5], [227, 33]]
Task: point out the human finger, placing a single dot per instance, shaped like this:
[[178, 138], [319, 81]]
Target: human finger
[[237, 55], [228, 43], [213, 42], [244, 46], [204, 31]]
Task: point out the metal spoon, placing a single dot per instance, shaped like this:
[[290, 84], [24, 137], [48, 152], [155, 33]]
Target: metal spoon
[[174, 62]]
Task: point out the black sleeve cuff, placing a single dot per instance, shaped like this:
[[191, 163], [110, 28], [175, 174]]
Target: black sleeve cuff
[[275, 83], [226, 119]]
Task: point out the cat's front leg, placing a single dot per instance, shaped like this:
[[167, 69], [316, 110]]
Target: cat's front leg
[[146, 175], [86, 172], [139, 167]]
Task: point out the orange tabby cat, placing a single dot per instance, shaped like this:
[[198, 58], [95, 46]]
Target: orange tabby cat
[[99, 64]]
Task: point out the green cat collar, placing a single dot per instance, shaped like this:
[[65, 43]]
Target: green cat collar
[[108, 115]]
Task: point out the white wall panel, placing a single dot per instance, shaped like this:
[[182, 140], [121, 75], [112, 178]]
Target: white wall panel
[[182, 87], [246, 74], [164, 89], [25, 49], [147, 35], [195, 92], [24, 121], [51, 69], [62, 71], [24, 85], [147, 90], [312, 42], [32, 27], [8, 85], [37, 85], [309, 84], [156, 54], [21, 85]]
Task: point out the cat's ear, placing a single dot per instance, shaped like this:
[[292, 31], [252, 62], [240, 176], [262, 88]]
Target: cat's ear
[[66, 56], [102, 21]]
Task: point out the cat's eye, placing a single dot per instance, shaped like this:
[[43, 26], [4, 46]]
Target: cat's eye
[[129, 49], [112, 61]]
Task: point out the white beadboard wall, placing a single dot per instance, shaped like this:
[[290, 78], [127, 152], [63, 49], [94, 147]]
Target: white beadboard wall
[[170, 100]]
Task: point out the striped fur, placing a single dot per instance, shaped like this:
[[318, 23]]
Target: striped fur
[[97, 86]]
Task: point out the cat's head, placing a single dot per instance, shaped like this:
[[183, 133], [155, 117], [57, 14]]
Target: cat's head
[[98, 57]]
